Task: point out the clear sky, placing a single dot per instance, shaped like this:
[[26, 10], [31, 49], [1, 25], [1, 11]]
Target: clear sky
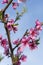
[[35, 11]]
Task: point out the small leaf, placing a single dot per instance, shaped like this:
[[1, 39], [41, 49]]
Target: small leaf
[[17, 18], [14, 59], [15, 24], [1, 58], [0, 15], [37, 41]]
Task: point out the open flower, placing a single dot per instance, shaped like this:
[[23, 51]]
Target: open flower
[[24, 41], [32, 45], [33, 33], [9, 24]]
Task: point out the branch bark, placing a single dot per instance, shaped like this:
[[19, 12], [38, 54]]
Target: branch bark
[[9, 41], [7, 6], [20, 40]]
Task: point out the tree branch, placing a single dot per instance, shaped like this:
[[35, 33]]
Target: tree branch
[[7, 6], [8, 36], [20, 40]]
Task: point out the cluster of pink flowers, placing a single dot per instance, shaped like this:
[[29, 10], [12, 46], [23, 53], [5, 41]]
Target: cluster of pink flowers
[[4, 44], [31, 39], [10, 26]]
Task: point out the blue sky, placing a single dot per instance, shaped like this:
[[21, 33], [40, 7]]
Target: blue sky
[[35, 11]]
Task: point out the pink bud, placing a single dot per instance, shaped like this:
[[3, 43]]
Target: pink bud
[[16, 41], [23, 58], [20, 49], [38, 25], [4, 42], [5, 1], [15, 29], [9, 26], [33, 32], [24, 41], [11, 21], [14, 5], [0, 38], [6, 50]]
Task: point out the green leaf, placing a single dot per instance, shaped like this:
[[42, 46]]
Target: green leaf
[[1, 58], [37, 41], [15, 24], [17, 18], [0, 15], [21, 14], [24, 10]]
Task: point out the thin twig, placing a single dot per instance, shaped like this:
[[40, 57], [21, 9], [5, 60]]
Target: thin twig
[[9, 41], [7, 6], [20, 40]]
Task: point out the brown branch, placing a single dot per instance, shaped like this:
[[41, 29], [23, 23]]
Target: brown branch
[[7, 6], [9, 41], [20, 40]]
